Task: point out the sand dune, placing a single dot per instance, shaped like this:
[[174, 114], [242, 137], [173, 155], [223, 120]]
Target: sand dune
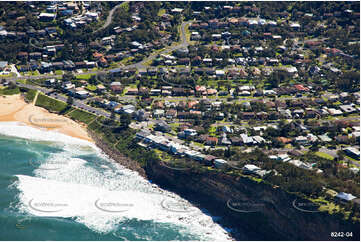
[[14, 108]]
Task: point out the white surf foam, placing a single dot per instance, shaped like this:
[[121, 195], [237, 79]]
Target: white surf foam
[[74, 188], [102, 210], [20, 130]]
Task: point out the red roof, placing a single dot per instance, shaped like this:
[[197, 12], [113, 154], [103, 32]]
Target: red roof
[[301, 88], [212, 139]]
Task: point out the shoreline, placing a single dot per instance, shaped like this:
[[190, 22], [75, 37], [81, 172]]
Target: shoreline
[[200, 189], [26, 113], [13, 108]]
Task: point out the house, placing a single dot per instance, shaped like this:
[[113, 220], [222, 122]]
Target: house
[[258, 139], [35, 55], [158, 113], [47, 16], [140, 115], [226, 129], [3, 65], [22, 55], [220, 73], [190, 132], [209, 160], [301, 88], [223, 140], [352, 152], [248, 115], [178, 91], [116, 87], [155, 92], [220, 163], [301, 140], [213, 141], [246, 139], [101, 88], [142, 91], [82, 94], [345, 197], [301, 164], [280, 157], [236, 141], [177, 10], [250, 169], [171, 113], [324, 138], [347, 108], [58, 65], [195, 36], [50, 82], [334, 112], [132, 91], [128, 109]]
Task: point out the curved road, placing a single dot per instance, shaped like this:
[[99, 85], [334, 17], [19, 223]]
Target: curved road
[[109, 18], [183, 43]]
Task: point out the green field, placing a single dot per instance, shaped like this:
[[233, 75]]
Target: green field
[[9, 91], [50, 103], [30, 95], [81, 116], [84, 76], [21, 81], [161, 12], [91, 88], [324, 155]]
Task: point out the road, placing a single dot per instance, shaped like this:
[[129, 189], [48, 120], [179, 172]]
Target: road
[[109, 18], [183, 43], [140, 65], [76, 102]]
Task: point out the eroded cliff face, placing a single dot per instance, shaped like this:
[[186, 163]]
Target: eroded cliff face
[[256, 211]]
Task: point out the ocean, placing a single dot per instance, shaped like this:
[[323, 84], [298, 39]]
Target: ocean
[[56, 187]]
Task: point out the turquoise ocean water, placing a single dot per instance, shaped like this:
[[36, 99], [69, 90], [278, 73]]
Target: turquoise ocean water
[[55, 187]]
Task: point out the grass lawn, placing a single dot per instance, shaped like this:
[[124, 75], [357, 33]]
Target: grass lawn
[[212, 131], [324, 155], [84, 76], [34, 73], [127, 60], [21, 81], [50, 103], [8, 75], [174, 126], [91, 88], [9, 91], [161, 12], [81, 116], [198, 144], [125, 6], [58, 72], [30, 95]]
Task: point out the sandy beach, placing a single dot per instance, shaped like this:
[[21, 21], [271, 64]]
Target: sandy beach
[[13, 108]]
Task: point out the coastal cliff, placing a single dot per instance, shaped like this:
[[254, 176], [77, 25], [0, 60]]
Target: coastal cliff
[[271, 214]]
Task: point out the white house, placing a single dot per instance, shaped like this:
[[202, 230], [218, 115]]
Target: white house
[[219, 163]]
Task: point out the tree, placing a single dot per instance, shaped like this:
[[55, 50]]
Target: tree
[[112, 115], [70, 100], [68, 76]]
